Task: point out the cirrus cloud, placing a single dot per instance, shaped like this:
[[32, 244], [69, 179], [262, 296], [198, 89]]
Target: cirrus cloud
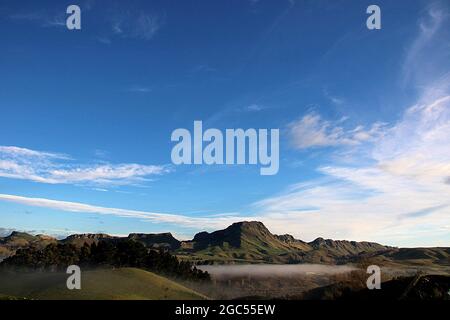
[[219, 221], [399, 197], [313, 131], [55, 168]]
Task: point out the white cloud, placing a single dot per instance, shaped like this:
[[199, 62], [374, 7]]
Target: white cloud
[[181, 220], [419, 145], [312, 131], [4, 232], [398, 192], [18, 152], [54, 168], [402, 197], [106, 174], [428, 54]]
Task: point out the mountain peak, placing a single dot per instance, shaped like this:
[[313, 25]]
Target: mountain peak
[[89, 236], [249, 226], [21, 235], [18, 234], [244, 234], [156, 240]]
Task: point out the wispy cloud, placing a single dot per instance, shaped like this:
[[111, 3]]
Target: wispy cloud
[[42, 18], [30, 16], [423, 58], [338, 101], [17, 152], [4, 232], [254, 107], [203, 68], [199, 223], [313, 131], [55, 21], [403, 190], [396, 191], [104, 40], [126, 24], [54, 168], [144, 27], [139, 89], [424, 212]]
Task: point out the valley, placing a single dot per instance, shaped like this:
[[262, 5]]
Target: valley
[[244, 260]]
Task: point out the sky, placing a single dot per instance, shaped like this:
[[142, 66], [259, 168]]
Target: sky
[[86, 117]]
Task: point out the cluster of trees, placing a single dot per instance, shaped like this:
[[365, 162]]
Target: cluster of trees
[[126, 253]]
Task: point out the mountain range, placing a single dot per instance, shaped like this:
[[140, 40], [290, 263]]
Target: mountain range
[[249, 242]]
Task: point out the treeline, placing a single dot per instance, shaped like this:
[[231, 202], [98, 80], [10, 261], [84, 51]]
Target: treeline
[[127, 253]]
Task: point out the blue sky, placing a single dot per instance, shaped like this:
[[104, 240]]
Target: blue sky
[[86, 117]]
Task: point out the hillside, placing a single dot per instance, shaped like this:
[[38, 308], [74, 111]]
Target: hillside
[[253, 242], [430, 257], [156, 240], [151, 240], [18, 240], [89, 238], [243, 241], [419, 287], [101, 284]]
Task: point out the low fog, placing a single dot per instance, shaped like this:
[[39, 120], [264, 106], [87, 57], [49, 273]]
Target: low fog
[[287, 270]]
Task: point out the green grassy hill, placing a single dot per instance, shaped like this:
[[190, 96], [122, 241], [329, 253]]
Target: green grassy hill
[[18, 240], [102, 284], [241, 242], [252, 242]]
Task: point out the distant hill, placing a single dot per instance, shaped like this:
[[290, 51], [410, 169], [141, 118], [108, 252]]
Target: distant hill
[[100, 284], [241, 241], [89, 238], [420, 287], [152, 240], [158, 240], [17, 240], [410, 256], [251, 242]]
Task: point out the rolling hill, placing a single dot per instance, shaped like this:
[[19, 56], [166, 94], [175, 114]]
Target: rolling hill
[[158, 240], [151, 240], [419, 287], [251, 242], [17, 240], [100, 284]]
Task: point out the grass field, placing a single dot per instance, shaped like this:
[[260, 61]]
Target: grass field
[[102, 284]]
